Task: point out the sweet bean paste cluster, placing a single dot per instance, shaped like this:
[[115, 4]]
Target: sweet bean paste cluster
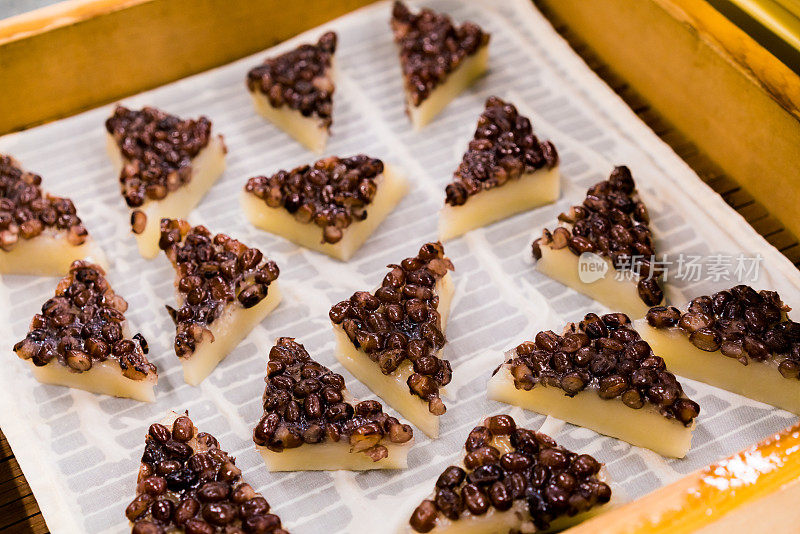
[[611, 222], [551, 480], [504, 147], [213, 272], [304, 403], [299, 79], [188, 484], [603, 354], [741, 323], [431, 47], [83, 325], [26, 212], [401, 322], [157, 149], [332, 193]]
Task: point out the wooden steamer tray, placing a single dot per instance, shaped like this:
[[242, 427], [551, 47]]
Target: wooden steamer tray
[[678, 63], [60, 60]]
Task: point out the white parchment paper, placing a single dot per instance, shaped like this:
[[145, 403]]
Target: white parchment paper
[[80, 452]]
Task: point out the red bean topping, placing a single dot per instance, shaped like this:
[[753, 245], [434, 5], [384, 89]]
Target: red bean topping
[[197, 488], [182, 429], [299, 79], [213, 271], [741, 323], [553, 481], [332, 193], [401, 321], [612, 360], [503, 148], [303, 402], [613, 223], [424, 517], [431, 47], [26, 211], [81, 325], [157, 149]]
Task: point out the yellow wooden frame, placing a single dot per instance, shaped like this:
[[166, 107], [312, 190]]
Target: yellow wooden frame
[[755, 490], [781, 17], [79, 54], [709, 80]]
